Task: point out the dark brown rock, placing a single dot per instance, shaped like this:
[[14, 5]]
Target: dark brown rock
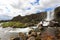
[[49, 34], [31, 38]]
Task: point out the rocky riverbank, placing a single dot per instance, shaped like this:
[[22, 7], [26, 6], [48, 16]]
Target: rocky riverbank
[[47, 33], [50, 33]]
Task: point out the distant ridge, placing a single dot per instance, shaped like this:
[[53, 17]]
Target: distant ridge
[[30, 18]]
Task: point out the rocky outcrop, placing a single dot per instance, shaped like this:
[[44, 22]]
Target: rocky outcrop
[[21, 36], [57, 14]]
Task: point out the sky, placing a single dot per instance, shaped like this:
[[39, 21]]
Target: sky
[[26, 7]]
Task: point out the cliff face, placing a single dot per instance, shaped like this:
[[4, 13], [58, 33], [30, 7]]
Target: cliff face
[[57, 14], [33, 18]]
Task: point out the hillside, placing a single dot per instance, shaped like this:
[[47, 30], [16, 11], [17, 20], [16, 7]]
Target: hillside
[[33, 18]]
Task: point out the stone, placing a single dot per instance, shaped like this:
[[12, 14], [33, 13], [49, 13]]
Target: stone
[[31, 38]]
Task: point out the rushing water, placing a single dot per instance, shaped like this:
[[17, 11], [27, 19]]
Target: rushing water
[[6, 33], [49, 17]]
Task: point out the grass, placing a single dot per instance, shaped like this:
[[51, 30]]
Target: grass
[[14, 24]]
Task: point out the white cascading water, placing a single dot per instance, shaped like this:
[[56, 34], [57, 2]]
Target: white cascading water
[[50, 16], [6, 33]]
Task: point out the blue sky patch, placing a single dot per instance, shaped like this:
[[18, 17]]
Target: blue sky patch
[[48, 9], [36, 2], [27, 8]]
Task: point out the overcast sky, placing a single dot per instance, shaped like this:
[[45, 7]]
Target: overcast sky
[[25, 7]]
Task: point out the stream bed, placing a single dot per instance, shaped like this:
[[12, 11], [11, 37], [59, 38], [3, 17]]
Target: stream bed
[[6, 33]]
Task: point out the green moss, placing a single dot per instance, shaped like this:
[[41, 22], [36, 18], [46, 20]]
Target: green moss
[[14, 24]]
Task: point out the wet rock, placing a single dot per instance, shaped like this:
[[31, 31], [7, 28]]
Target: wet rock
[[33, 33], [54, 24], [31, 38], [58, 33], [21, 36], [38, 37]]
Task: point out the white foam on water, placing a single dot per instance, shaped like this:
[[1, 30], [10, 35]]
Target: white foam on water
[[5, 33], [46, 21], [24, 30]]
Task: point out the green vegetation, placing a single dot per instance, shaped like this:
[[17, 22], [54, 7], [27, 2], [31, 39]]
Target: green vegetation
[[30, 20], [14, 24], [24, 21], [33, 18]]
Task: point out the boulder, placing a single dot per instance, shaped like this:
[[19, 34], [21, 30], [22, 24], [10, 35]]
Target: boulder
[[31, 38]]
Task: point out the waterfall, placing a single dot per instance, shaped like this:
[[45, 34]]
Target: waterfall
[[48, 18], [50, 15]]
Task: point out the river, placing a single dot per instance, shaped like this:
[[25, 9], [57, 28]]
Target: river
[[6, 33]]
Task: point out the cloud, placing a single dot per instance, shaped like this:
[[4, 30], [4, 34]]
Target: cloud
[[26, 7]]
